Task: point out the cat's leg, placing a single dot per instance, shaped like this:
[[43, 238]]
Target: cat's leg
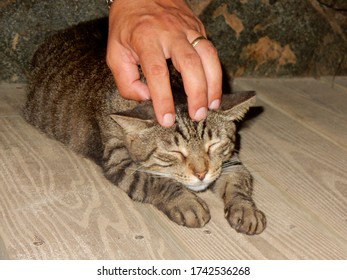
[[235, 187], [180, 204], [175, 200]]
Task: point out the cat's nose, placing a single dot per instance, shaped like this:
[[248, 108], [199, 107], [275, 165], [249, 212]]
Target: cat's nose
[[200, 175]]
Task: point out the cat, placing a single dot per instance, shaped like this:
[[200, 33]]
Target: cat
[[72, 97]]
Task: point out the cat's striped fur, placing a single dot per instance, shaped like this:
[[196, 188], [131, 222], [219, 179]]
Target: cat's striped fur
[[72, 97]]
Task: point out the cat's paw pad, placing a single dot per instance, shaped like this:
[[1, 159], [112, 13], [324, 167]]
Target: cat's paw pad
[[190, 212], [246, 218]]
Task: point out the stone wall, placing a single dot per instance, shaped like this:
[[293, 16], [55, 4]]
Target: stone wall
[[25, 24], [253, 37], [276, 38]]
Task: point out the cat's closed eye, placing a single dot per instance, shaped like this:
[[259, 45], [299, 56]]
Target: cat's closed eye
[[179, 153], [166, 160], [222, 147], [211, 146]]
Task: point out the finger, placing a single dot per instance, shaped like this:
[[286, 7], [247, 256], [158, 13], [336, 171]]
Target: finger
[[126, 74], [213, 71], [201, 28], [187, 61], [154, 66]]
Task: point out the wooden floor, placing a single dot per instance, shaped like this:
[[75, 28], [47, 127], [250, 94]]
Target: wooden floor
[[55, 204]]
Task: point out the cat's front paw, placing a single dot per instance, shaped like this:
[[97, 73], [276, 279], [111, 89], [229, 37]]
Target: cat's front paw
[[189, 211], [245, 218]]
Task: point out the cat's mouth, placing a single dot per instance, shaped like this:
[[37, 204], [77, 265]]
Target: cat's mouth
[[198, 187]]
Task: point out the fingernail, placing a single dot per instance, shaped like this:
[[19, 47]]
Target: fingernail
[[168, 120], [145, 95], [215, 104], [200, 114]]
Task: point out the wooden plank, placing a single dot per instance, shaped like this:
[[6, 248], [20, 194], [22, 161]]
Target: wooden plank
[[301, 182], [55, 204], [41, 188], [312, 102], [47, 173], [338, 81]]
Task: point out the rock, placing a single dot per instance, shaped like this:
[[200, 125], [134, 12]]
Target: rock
[[335, 4], [276, 38], [26, 23], [253, 38]]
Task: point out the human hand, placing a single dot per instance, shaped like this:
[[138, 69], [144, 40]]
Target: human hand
[[148, 32]]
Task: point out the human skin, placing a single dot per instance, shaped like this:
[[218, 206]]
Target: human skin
[[147, 33]]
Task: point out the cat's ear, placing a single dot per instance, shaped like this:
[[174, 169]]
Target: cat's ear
[[132, 125], [136, 120], [235, 105]]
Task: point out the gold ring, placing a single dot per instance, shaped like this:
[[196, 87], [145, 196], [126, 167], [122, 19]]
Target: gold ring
[[197, 40]]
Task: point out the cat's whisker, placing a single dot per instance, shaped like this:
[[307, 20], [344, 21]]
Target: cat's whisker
[[132, 173], [155, 173], [231, 163], [227, 169]]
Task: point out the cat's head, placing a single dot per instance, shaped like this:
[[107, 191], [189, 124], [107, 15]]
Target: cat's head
[[190, 152]]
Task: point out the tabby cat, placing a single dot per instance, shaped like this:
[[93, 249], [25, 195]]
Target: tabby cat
[[72, 97]]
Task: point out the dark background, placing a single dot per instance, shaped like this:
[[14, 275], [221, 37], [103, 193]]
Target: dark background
[[254, 38]]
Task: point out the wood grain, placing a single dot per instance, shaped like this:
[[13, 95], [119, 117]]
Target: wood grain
[[304, 182], [55, 204], [314, 104]]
